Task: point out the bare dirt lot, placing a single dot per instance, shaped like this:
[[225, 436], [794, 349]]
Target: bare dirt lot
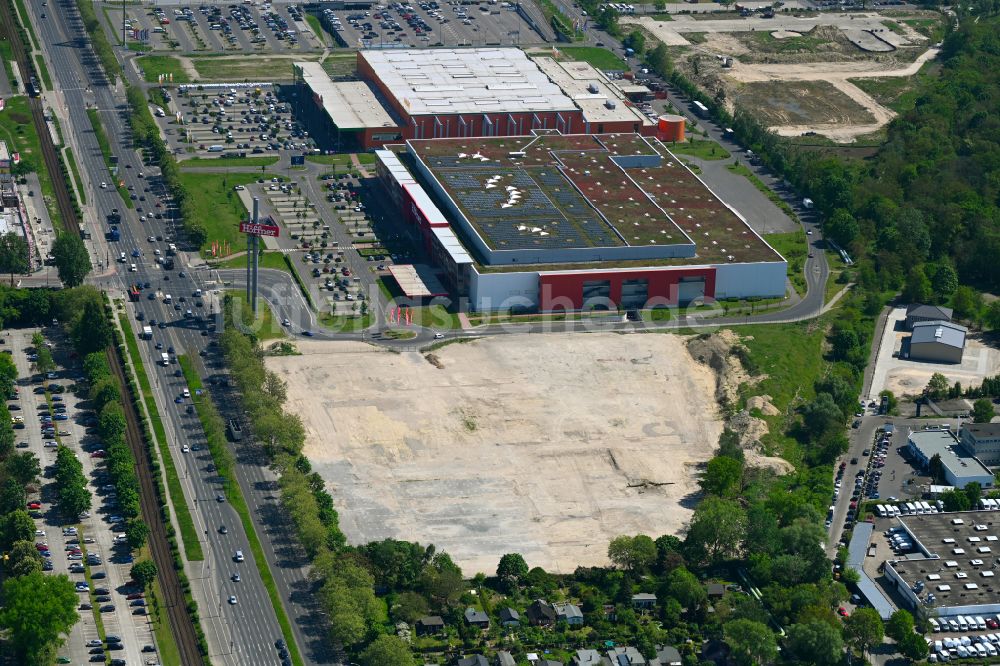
[[801, 103], [548, 445]]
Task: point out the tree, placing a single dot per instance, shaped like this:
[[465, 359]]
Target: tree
[[935, 467], [12, 495], [684, 586], [716, 532], [387, 651], [93, 331], [918, 288], [13, 255], [23, 559], [660, 61], [992, 316], [973, 491], [914, 647], [144, 573], [37, 610], [71, 258], [136, 532], [822, 415], [16, 526], [841, 227], [752, 642], [967, 302], [512, 569], [937, 387], [982, 411], [900, 625], [636, 553], [945, 281], [816, 643], [864, 628], [23, 466], [955, 500], [722, 476]]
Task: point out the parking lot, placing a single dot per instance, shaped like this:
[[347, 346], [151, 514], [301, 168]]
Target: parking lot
[[219, 28], [454, 23], [232, 121], [88, 552]]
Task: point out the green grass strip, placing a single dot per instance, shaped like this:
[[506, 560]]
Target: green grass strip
[[298, 281], [26, 22], [71, 160], [215, 434], [189, 535], [166, 645], [43, 72], [105, 146]]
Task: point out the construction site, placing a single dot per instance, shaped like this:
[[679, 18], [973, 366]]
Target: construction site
[[495, 445]]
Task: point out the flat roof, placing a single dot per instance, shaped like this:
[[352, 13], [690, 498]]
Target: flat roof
[[482, 80], [608, 190], [4, 151], [981, 430], [857, 550], [592, 91], [955, 565], [943, 443], [417, 280], [942, 332], [349, 104]]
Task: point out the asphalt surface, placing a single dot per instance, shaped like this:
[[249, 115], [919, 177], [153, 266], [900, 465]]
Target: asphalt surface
[[243, 633]]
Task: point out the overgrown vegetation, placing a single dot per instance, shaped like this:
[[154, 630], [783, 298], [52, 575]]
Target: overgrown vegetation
[[99, 40]]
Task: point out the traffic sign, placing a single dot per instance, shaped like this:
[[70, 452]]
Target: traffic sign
[[259, 229]]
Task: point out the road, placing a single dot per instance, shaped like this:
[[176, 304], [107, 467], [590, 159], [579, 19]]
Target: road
[[243, 633]]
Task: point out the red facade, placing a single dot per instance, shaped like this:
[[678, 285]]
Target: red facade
[[565, 291]]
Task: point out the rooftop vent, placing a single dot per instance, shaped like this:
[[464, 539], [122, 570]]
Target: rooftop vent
[[610, 104], [593, 89]]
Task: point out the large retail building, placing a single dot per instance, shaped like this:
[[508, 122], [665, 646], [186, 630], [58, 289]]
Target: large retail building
[[569, 222], [463, 92]]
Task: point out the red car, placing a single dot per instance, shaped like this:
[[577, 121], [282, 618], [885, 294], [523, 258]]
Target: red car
[[842, 612], [992, 624], [100, 453], [34, 505]]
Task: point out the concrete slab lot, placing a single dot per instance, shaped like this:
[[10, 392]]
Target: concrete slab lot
[[545, 445]]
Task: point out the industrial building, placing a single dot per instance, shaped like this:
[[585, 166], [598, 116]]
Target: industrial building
[[462, 92], [920, 312], [937, 342], [554, 222], [960, 466], [955, 571], [982, 440]]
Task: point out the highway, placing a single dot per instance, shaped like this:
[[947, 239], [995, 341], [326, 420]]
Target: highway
[[241, 633]]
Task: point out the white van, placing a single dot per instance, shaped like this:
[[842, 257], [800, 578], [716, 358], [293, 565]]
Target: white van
[[980, 623], [935, 627], [880, 509], [962, 624]]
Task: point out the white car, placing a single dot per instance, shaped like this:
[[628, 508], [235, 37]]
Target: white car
[[232, 600], [185, 448], [186, 393], [438, 336], [104, 185]]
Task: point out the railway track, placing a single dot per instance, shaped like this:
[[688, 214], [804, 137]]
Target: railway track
[[64, 201], [170, 584]]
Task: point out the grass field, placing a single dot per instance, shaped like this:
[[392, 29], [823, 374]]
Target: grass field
[[18, 131], [704, 149], [898, 93], [792, 357], [43, 71], [793, 247], [275, 260], [154, 65], [266, 327], [229, 161], [189, 535], [596, 56], [341, 160], [215, 203], [250, 68], [340, 64], [317, 27]]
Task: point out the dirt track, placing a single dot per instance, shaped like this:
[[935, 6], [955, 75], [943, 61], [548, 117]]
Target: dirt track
[[545, 445]]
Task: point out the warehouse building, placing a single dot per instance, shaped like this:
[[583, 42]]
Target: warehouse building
[[937, 342], [982, 440], [955, 571], [462, 92], [554, 222], [960, 466], [919, 312]]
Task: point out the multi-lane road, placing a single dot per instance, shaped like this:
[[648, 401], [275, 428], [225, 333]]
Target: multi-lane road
[[240, 633]]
